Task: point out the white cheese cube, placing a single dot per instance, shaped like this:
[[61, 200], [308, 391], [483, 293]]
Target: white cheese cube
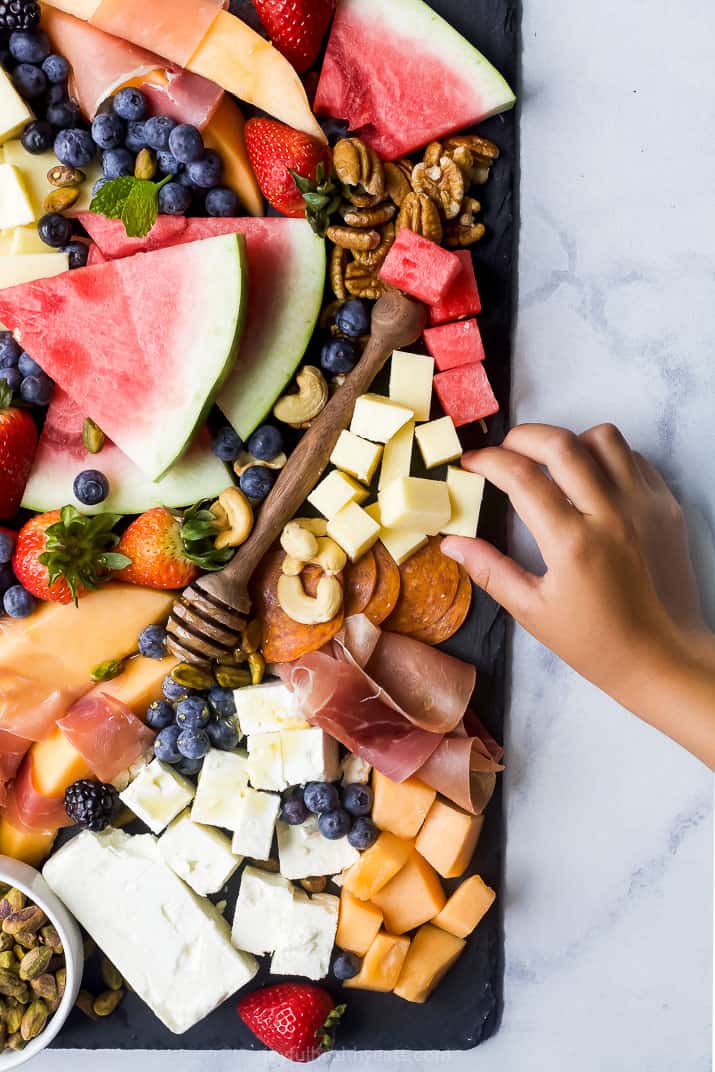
[[354, 530], [200, 855], [6, 238], [15, 205], [309, 756], [30, 266], [253, 835], [14, 113], [466, 491], [157, 795], [218, 800], [411, 382], [307, 936], [172, 947], [397, 456], [399, 543], [264, 902], [356, 456], [34, 172], [265, 761], [377, 418], [27, 240], [415, 504], [355, 770], [438, 442], [304, 852], [335, 492], [267, 708]]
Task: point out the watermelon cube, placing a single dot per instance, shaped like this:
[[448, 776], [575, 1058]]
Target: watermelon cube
[[466, 394], [419, 267], [455, 344], [462, 299]]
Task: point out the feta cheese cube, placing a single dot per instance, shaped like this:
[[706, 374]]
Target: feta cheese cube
[[307, 936], [356, 456], [264, 901], [377, 418], [354, 530], [303, 851], [399, 543], [397, 457], [157, 795], [222, 777], [309, 756], [335, 492], [15, 205], [355, 770], [411, 382], [199, 854], [415, 504], [14, 113], [438, 442], [267, 708], [466, 491], [253, 834], [265, 761]]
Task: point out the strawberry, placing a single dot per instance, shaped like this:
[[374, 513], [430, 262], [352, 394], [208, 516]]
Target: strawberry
[[291, 168], [296, 1020], [18, 441], [61, 555], [296, 27], [170, 551]]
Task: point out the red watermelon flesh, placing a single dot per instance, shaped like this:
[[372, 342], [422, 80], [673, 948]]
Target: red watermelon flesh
[[419, 267], [401, 76], [462, 299], [466, 394], [455, 344]]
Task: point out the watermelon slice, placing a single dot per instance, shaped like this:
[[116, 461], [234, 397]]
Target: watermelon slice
[[455, 344], [61, 455], [466, 394], [286, 267], [143, 344], [462, 298], [419, 267], [401, 76]]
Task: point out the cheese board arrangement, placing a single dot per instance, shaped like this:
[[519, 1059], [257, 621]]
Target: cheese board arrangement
[[255, 304]]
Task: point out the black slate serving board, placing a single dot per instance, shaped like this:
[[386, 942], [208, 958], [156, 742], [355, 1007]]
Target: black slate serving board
[[465, 1009]]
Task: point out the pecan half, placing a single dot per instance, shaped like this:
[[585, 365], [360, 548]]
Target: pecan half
[[465, 231], [362, 282], [354, 238], [482, 153], [369, 217], [419, 213], [359, 168], [443, 183], [397, 180], [433, 154], [338, 262], [375, 257]]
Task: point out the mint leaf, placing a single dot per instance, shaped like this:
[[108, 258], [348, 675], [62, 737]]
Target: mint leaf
[[110, 200], [133, 201]]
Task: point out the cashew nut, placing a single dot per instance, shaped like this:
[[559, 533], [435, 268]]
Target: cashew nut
[[310, 610], [293, 567], [234, 515], [330, 557], [317, 525], [298, 542], [247, 461], [299, 409]]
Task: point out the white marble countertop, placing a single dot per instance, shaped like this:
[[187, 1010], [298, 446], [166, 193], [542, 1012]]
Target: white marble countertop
[[608, 897]]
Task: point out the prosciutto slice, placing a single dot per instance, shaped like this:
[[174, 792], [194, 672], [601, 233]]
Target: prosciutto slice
[[462, 769], [12, 753], [106, 734], [28, 809], [29, 707]]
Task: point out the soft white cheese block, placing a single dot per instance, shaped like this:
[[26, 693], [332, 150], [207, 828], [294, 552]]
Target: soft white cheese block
[[466, 491], [157, 795], [200, 855], [15, 205], [309, 756], [265, 761], [257, 814], [172, 947], [356, 456], [438, 442], [411, 382], [307, 936], [355, 770], [218, 800], [264, 901], [397, 456], [354, 530], [336, 491], [303, 851], [267, 708], [377, 418], [14, 113]]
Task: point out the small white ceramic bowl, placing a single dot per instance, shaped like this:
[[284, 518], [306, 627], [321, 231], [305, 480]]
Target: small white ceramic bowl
[[33, 885]]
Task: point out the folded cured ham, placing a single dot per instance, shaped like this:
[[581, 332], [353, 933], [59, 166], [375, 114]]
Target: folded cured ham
[[106, 733]]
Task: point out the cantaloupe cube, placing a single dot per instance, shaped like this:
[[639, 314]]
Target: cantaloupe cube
[[358, 924], [466, 907], [400, 807], [382, 964], [377, 866], [30, 846], [412, 897], [430, 956], [449, 837]]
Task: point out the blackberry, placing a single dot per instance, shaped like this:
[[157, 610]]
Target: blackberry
[[91, 804], [19, 15]]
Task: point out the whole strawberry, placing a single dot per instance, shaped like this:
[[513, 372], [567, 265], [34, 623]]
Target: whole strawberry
[[18, 441], [293, 170], [296, 1020], [170, 551], [62, 554], [296, 27]]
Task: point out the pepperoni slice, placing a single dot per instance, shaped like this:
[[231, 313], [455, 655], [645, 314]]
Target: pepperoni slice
[[360, 581], [453, 619], [429, 587], [387, 590]]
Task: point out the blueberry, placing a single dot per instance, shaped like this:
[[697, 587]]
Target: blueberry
[[186, 143], [152, 642], [206, 172], [320, 797], [167, 164], [363, 833], [65, 116], [185, 179], [193, 744], [56, 95], [7, 546], [227, 444], [99, 184], [353, 318], [29, 81], [29, 46], [10, 350], [221, 201], [257, 481], [117, 163], [56, 69], [159, 714], [108, 130], [174, 691], [157, 131], [37, 390], [55, 230], [27, 366], [223, 734], [221, 701], [17, 602], [130, 104], [357, 799], [135, 139], [165, 745], [294, 811], [78, 252], [7, 579], [90, 487], [334, 824], [190, 766], [174, 199], [346, 966], [75, 148], [192, 713], [338, 356], [265, 443], [37, 137], [12, 378]]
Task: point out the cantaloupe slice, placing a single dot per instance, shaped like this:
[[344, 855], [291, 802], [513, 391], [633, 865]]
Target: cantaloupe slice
[[429, 958], [412, 897], [377, 866], [29, 846], [466, 907], [448, 838], [382, 965], [225, 134], [358, 924], [401, 807]]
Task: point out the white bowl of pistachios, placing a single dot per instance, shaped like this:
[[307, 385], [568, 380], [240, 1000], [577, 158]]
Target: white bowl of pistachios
[[41, 962]]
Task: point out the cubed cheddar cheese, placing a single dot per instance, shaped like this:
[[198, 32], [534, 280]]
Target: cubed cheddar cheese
[[397, 456], [467, 906], [466, 491], [354, 530], [377, 418], [400, 807], [438, 442], [356, 456], [377, 866], [411, 382], [358, 924], [412, 897], [336, 491], [399, 543], [415, 504], [431, 954], [382, 964], [448, 838]]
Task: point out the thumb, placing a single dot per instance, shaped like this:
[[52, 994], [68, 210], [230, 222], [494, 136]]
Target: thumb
[[498, 575]]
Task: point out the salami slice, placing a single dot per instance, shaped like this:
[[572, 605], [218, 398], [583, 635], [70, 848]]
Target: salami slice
[[360, 581], [453, 619], [387, 590], [429, 587]]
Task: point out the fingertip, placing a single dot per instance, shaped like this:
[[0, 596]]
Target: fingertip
[[451, 546]]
